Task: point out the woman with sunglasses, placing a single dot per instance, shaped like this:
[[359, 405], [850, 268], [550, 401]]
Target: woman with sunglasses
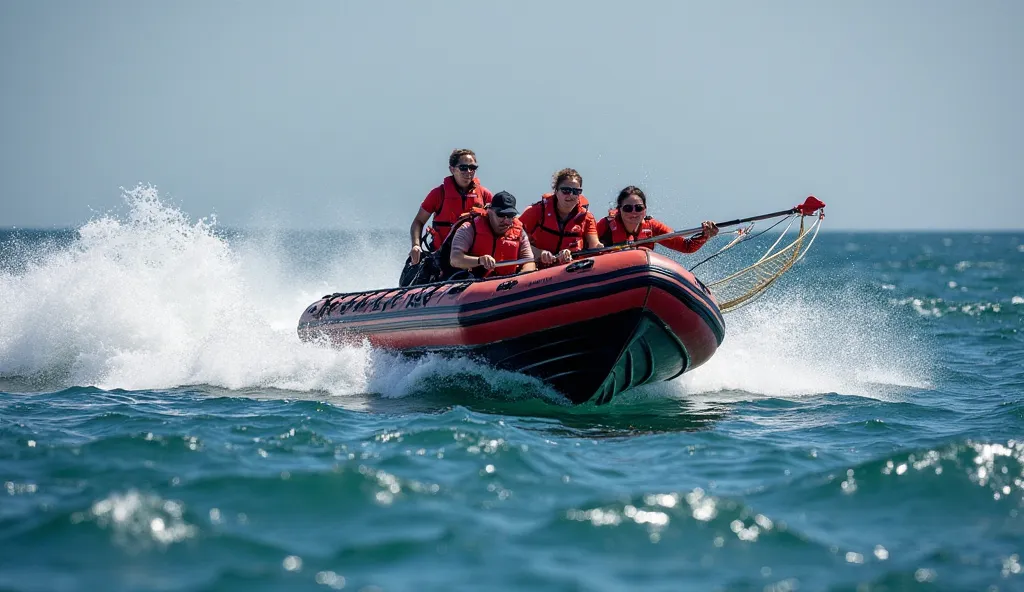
[[457, 194], [561, 223], [629, 223]]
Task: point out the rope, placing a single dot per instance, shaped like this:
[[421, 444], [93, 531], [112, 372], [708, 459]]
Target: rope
[[743, 240]]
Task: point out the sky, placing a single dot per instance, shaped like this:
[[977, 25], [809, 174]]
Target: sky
[[342, 114]]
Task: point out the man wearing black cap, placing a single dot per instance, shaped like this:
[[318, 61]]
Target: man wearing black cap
[[487, 239]]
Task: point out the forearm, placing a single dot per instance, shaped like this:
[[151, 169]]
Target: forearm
[[694, 244], [416, 231], [682, 244], [464, 261]]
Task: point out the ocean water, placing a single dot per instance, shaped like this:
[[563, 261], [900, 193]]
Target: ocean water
[[162, 428]]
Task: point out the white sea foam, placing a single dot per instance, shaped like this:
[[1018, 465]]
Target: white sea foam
[[151, 299], [796, 342]]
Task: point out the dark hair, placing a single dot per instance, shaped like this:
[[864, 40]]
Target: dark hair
[[458, 153], [631, 190], [564, 174]]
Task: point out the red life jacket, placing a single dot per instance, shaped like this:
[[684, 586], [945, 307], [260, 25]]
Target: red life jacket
[[453, 205], [548, 236], [502, 248], [616, 231]]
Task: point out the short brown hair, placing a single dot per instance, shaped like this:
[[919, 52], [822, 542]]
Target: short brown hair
[[458, 153], [564, 174]]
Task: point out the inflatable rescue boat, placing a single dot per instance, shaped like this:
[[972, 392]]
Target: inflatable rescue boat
[[590, 329]]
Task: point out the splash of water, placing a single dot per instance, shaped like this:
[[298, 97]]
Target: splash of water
[[798, 342], [153, 300]]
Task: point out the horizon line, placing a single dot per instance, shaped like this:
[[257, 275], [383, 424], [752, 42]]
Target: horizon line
[[824, 229]]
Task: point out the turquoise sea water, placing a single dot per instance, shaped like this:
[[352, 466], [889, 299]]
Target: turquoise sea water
[[162, 428]]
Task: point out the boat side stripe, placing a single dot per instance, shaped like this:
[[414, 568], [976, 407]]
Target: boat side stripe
[[454, 316]]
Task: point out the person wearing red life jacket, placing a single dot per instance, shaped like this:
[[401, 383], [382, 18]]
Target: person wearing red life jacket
[[561, 223], [485, 238], [629, 222], [456, 195]]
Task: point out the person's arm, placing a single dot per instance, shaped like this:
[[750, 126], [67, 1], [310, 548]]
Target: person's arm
[[530, 219], [681, 243], [431, 203], [590, 238], [415, 232], [462, 242], [540, 255], [526, 250], [603, 232]]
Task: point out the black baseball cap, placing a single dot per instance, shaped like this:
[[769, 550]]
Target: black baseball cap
[[504, 203]]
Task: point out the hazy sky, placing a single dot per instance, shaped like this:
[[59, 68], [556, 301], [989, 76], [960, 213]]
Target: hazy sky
[[905, 114]]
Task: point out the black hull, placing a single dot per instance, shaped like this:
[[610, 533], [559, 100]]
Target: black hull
[[592, 361], [590, 330]]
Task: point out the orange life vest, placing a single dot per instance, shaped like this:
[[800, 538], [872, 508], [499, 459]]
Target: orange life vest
[[453, 205], [547, 235], [616, 232], [502, 248]]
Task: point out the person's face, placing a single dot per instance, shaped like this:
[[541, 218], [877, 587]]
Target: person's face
[[464, 170], [568, 193], [632, 210], [499, 224]]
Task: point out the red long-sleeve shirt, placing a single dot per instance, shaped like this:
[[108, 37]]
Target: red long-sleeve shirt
[[614, 231]]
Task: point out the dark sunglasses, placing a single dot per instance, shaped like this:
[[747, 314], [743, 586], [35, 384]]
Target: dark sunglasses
[[504, 215], [467, 167], [568, 190], [630, 208]]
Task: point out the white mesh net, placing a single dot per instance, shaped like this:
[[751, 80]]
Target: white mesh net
[[741, 287]]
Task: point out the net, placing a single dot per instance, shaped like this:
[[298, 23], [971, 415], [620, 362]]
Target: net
[[744, 286]]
